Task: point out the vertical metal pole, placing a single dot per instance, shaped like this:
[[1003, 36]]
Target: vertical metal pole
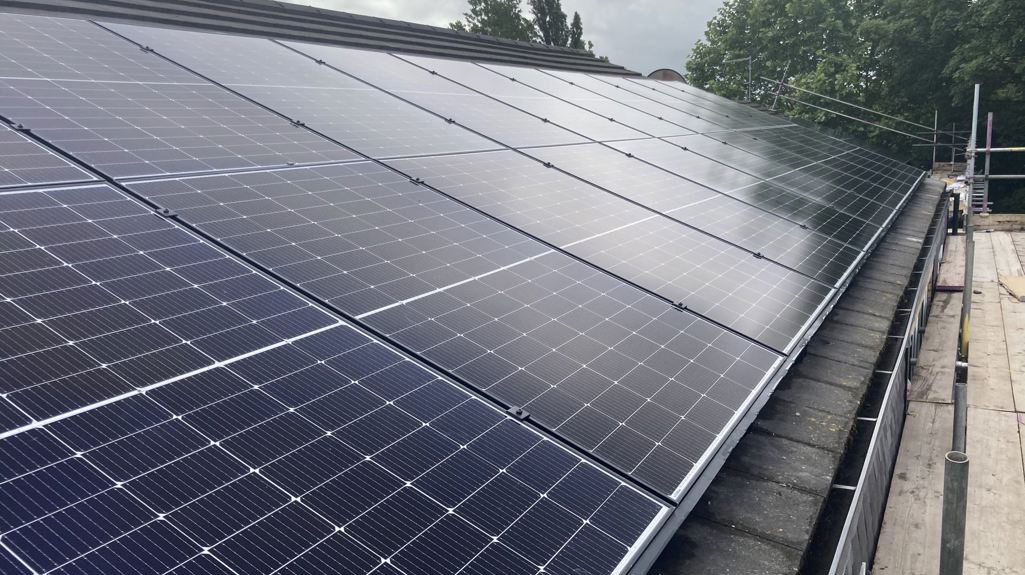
[[779, 89], [955, 504], [748, 77], [956, 216], [960, 414], [935, 136], [989, 144], [953, 129]]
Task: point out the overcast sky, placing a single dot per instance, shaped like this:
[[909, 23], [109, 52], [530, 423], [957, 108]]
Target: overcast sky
[[642, 35]]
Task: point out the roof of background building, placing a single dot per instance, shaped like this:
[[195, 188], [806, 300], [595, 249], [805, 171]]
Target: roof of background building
[[310, 24]]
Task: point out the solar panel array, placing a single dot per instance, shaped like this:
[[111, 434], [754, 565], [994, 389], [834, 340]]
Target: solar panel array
[[278, 307]]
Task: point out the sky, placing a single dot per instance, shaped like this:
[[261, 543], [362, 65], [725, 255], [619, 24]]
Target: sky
[[642, 35]]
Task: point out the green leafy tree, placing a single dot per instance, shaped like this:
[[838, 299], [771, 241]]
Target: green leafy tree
[[905, 58], [550, 21], [501, 18], [576, 33]]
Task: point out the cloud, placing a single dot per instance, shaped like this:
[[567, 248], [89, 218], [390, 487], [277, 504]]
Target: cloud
[[642, 35]]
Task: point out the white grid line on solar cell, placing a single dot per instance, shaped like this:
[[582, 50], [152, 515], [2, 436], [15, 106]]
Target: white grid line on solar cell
[[362, 117], [290, 495], [359, 236], [474, 77], [562, 211], [133, 129], [26, 163], [618, 373], [713, 212], [86, 283], [338, 186], [65, 49]]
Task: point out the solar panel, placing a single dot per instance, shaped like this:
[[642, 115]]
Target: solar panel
[[853, 226], [289, 439], [154, 118], [26, 163], [742, 116], [453, 358], [583, 122], [752, 228], [693, 121], [739, 289], [636, 119], [102, 297], [347, 110], [449, 100], [486, 301]]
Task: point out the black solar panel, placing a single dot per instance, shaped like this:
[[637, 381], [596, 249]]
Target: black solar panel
[[616, 308], [25, 163], [482, 300], [854, 226], [103, 298], [148, 117], [634, 118], [360, 116], [693, 120], [443, 97], [755, 229], [739, 289], [282, 437], [583, 122]]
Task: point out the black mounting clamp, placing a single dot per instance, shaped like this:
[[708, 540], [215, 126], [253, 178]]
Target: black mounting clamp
[[518, 412]]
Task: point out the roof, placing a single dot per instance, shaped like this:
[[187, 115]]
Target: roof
[[284, 20], [589, 284]]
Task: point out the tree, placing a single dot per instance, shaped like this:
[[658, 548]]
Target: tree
[[576, 33], [501, 18], [550, 21], [905, 58]]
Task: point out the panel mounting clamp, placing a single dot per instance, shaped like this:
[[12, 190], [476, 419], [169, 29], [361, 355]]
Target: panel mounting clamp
[[518, 412], [166, 213]]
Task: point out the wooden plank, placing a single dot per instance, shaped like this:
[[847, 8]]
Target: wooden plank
[[1018, 238], [934, 374], [985, 264], [910, 537], [989, 376], [1014, 337], [1004, 254], [952, 266], [995, 529], [1014, 286]]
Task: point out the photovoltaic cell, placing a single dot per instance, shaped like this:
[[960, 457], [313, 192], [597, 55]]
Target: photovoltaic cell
[[636, 119], [737, 288], [752, 228], [480, 113], [25, 163], [844, 218], [741, 116], [148, 116], [501, 302], [358, 236], [347, 110], [103, 298], [583, 122], [327, 451], [693, 121]]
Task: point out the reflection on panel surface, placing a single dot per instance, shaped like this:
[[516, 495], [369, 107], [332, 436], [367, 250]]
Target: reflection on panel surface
[[734, 287], [127, 112], [351, 112], [581, 351]]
